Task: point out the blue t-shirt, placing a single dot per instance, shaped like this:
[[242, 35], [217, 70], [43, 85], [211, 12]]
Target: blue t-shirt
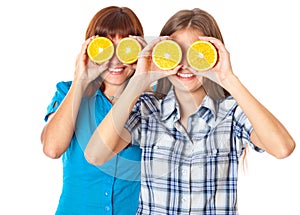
[[112, 188]]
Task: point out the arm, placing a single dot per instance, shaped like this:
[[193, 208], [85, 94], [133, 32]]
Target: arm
[[110, 137], [57, 133], [268, 132]]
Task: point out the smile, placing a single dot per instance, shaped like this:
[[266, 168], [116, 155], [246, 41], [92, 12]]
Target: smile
[[115, 70], [185, 75]]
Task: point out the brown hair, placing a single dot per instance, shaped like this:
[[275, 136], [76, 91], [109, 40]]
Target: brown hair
[[112, 21], [195, 19], [199, 20]]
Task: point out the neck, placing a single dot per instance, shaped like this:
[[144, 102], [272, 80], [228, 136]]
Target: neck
[[113, 92], [189, 102]]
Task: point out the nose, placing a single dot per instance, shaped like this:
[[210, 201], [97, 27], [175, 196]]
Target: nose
[[184, 61], [114, 60]]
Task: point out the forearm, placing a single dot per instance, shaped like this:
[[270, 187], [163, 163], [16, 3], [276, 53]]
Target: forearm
[[111, 137], [269, 134], [57, 133]]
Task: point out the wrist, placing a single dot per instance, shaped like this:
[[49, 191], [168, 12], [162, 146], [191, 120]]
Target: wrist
[[231, 83], [139, 83], [79, 87]]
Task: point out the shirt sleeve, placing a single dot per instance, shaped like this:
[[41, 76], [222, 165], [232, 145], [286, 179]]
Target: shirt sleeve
[[62, 89], [133, 123], [242, 129]]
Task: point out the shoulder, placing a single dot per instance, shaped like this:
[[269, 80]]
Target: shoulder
[[228, 103], [63, 86], [149, 102], [150, 97], [225, 107], [230, 107]]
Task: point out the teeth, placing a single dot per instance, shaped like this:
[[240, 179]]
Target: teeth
[[185, 75], [115, 70]]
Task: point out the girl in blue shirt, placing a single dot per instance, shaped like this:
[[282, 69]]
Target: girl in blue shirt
[[192, 137], [77, 108]]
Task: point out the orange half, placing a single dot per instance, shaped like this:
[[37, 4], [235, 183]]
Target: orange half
[[166, 54], [202, 55], [100, 50], [128, 50]]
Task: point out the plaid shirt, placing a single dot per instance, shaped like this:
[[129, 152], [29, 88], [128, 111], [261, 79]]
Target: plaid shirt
[[192, 170]]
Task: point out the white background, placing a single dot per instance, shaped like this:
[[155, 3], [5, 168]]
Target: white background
[[40, 40]]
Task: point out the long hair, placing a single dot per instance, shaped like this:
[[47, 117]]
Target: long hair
[[199, 20]]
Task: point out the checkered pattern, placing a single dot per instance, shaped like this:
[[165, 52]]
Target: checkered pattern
[[192, 170]]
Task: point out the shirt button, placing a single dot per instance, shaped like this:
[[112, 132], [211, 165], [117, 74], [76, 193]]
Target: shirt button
[[183, 199], [155, 147], [106, 193], [215, 151], [183, 172], [107, 208]]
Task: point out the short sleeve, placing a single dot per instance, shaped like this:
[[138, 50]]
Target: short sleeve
[[242, 129], [133, 123], [62, 89]]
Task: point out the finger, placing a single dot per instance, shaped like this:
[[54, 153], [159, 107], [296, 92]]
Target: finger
[[85, 44], [102, 67], [175, 70], [148, 49], [153, 42], [133, 66], [83, 52], [210, 74], [159, 74], [190, 69], [171, 71], [140, 39], [216, 42]]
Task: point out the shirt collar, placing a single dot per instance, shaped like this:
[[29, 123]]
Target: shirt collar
[[169, 105], [210, 104]]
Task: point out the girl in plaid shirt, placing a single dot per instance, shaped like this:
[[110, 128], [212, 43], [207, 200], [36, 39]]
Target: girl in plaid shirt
[[193, 136]]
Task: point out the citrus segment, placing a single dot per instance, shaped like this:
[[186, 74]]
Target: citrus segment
[[100, 49], [128, 50], [166, 54], [202, 55]]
